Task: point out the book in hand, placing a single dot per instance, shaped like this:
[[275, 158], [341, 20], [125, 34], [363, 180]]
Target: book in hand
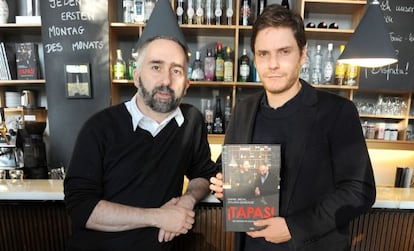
[[251, 183], [26, 61]]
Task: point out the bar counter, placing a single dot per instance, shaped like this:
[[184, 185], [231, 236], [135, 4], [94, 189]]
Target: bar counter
[[33, 217], [387, 197]]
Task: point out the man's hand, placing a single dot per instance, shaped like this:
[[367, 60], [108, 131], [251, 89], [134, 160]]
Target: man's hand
[[217, 185], [276, 230], [174, 220]]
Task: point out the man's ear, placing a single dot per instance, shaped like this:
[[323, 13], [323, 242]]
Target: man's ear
[[136, 78], [187, 84]]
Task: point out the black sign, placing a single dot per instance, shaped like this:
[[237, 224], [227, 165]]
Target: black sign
[[74, 32], [399, 17]]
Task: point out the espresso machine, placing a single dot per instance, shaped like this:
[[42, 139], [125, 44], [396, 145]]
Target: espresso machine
[[29, 139]]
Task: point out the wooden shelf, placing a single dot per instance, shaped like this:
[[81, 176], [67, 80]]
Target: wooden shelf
[[22, 82], [216, 139], [390, 144]]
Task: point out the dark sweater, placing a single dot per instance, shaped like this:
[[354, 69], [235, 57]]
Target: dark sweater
[[112, 162]]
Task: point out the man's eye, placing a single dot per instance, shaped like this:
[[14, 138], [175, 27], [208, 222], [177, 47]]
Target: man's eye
[[177, 71]]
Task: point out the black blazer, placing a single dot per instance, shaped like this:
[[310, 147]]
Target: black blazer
[[330, 179]]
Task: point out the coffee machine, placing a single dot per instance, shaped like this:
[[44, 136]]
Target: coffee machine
[[29, 139]]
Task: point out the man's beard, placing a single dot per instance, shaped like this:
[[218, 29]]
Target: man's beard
[[159, 105]]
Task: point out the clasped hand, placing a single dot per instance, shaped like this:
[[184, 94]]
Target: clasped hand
[[177, 218]]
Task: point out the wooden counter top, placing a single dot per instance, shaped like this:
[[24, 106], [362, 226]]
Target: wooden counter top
[[387, 197]]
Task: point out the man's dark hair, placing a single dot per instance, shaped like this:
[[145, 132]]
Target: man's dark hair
[[275, 15]]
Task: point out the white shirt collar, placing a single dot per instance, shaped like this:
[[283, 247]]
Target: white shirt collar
[[147, 123]]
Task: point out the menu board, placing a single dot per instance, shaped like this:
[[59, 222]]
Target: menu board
[[74, 33], [399, 18]]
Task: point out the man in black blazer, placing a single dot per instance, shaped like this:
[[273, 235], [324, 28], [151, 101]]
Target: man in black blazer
[[326, 174]]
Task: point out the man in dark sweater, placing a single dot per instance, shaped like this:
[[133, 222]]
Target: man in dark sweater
[[123, 187], [326, 174]]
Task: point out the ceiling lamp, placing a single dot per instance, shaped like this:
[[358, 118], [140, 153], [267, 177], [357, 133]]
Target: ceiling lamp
[[370, 45]]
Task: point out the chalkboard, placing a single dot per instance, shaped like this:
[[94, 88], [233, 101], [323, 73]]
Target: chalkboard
[[74, 32], [399, 17]]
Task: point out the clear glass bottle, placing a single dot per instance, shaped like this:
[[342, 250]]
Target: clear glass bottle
[[197, 71], [229, 12], [245, 12], [305, 69], [180, 11], [316, 75], [190, 11], [219, 65], [218, 118], [244, 67], [128, 9], [209, 12], [149, 6], [209, 66], [228, 65], [218, 11], [340, 69], [329, 66], [262, 5], [119, 66]]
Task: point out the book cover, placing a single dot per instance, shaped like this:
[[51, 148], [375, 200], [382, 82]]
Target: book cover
[[26, 61], [251, 176]]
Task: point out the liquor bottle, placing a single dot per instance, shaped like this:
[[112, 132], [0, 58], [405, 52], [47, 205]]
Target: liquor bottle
[[190, 12], [219, 73], [340, 69], [180, 11], [245, 13], [329, 66], [316, 75], [218, 118], [227, 112], [285, 3], [351, 75], [197, 71], [209, 117], [229, 12], [132, 65], [199, 12], [244, 67], [304, 70], [209, 66], [149, 6], [262, 5], [128, 9], [218, 12], [228, 65], [209, 12], [119, 66], [139, 11]]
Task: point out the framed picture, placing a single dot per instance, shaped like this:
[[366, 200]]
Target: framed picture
[[78, 81]]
